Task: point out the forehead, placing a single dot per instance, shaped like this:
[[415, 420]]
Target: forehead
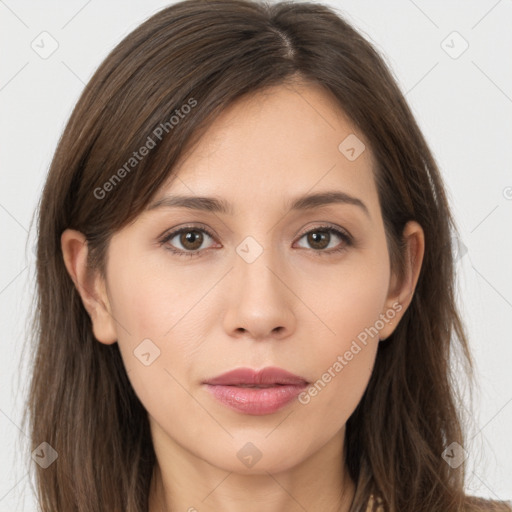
[[277, 143]]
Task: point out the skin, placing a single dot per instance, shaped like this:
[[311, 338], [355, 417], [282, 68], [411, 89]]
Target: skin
[[294, 307]]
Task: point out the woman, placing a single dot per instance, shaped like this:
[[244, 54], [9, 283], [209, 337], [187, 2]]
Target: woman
[[245, 279]]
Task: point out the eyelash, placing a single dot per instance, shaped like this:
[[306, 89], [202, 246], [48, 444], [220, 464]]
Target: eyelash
[[347, 239]]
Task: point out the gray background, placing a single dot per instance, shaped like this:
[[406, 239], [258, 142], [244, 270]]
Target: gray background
[[462, 101]]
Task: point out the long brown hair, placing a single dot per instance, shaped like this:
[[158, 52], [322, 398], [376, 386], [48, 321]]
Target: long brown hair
[[206, 54]]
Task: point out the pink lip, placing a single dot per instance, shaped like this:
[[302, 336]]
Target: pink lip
[[275, 388]]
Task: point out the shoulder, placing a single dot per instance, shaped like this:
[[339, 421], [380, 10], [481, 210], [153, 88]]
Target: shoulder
[[472, 504], [477, 504]]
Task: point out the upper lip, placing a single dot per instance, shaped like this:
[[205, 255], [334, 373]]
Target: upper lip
[[268, 376]]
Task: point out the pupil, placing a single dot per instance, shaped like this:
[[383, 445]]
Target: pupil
[[191, 237], [317, 237]]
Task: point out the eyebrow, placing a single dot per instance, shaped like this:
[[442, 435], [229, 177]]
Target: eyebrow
[[217, 205]]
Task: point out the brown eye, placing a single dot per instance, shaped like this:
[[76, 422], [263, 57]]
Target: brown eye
[[191, 240], [321, 238], [318, 239], [187, 241]]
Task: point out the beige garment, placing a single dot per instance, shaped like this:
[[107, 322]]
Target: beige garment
[[498, 506], [370, 504]]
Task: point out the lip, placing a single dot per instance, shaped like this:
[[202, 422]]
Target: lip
[[256, 392]]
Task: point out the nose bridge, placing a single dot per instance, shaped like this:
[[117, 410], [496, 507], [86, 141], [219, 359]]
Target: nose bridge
[[255, 268], [260, 303]]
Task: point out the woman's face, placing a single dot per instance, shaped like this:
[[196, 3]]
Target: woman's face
[[257, 284]]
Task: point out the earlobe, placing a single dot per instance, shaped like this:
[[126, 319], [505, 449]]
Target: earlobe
[[403, 293], [89, 285]]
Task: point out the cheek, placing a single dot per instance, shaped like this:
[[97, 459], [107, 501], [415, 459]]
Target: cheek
[[159, 348], [348, 298], [344, 354], [158, 333], [150, 301]]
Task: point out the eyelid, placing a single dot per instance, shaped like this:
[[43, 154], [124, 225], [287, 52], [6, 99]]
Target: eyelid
[[325, 226]]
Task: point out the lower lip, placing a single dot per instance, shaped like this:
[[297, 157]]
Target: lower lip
[[256, 401]]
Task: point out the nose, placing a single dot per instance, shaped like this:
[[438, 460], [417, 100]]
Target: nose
[[260, 299]]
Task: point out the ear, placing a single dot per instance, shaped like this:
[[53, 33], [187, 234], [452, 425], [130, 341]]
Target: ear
[[400, 293], [90, 285]]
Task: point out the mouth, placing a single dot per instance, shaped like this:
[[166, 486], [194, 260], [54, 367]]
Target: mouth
[[253, 386], [266, 377], [256, 392]]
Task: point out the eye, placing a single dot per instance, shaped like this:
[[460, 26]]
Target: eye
[[320, 239], [190, 238], [188, 241]]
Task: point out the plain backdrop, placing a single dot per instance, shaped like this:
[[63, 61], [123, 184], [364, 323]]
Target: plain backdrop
[[453, 63]]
